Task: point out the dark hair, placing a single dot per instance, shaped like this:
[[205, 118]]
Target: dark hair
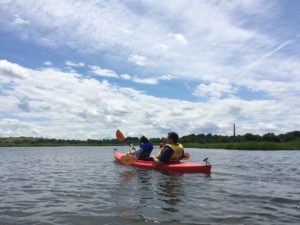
[[143, 139], [174, 136]]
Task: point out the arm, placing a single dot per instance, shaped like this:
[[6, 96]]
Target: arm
[[136, 152], [165, 156], [182, 156]]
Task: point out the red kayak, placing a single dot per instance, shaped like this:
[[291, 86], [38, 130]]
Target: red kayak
[[183, 167]]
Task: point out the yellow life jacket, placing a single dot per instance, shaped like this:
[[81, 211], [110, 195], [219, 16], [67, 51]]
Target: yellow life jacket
[[177, 151]]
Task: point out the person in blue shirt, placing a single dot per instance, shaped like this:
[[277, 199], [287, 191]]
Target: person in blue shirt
[[144, 151]]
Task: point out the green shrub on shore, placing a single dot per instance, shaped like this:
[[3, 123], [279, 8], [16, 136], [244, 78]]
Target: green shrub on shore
[[292, 145], [32, 142], [268, 141]]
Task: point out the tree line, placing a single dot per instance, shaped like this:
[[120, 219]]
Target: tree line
[[268, 137], [192, 138], [40, 141]]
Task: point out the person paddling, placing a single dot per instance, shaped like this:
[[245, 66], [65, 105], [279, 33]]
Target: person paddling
[[144, 152], [172, 151]]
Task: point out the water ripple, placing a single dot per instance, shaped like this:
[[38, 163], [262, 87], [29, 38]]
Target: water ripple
[[82, 185]]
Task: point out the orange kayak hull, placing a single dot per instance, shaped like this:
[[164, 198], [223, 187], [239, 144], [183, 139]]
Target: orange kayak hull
[[182, 167]]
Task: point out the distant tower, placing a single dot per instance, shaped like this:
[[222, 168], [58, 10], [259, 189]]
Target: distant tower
[[234, 130]]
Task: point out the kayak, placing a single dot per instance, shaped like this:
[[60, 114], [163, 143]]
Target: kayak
[[182, 167]]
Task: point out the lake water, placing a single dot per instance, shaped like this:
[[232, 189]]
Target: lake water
[[83, 185]]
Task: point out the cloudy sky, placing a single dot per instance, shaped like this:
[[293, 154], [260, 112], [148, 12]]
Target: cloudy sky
[[81, 69]]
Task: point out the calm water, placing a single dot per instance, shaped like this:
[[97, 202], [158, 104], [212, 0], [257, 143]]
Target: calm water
[[82, 185]]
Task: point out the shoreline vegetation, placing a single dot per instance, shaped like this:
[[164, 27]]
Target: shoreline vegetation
[[268, 146], [269, 141]]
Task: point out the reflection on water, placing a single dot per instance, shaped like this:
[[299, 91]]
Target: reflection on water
[[167, 187], [126, 175], [170, 191], [145, 187], [83, 186]]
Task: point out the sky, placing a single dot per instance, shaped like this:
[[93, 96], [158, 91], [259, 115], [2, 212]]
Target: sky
[[82, 69]]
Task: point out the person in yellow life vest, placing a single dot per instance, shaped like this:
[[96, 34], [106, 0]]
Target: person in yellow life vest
[[172, 151]]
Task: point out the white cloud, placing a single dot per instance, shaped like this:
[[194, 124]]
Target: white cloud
[[277, 89], [161, 47], [152, 80], [47, 63], [178, 37], [138, 59], [70, 69], [19, 21], [214, 90], [12, 70], [166, 77], [15, 127], [74, 64], [136, 79], [145, 80], [187, 85], [103, 72], [228, 45], [219, 42], [24, 105], [52, 103], [258, 61], [125, 76]]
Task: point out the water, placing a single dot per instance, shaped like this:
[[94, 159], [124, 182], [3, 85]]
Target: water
[[82, 185]]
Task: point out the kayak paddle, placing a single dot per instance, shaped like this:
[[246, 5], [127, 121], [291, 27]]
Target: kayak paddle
[[120, 136], [125, 159], [128, 159]]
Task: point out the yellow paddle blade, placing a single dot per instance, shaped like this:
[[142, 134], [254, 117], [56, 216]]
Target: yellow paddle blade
[[186, 156], [128, 160], [120, 136]]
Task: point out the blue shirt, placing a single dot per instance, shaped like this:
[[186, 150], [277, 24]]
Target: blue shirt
[[144, 151]]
